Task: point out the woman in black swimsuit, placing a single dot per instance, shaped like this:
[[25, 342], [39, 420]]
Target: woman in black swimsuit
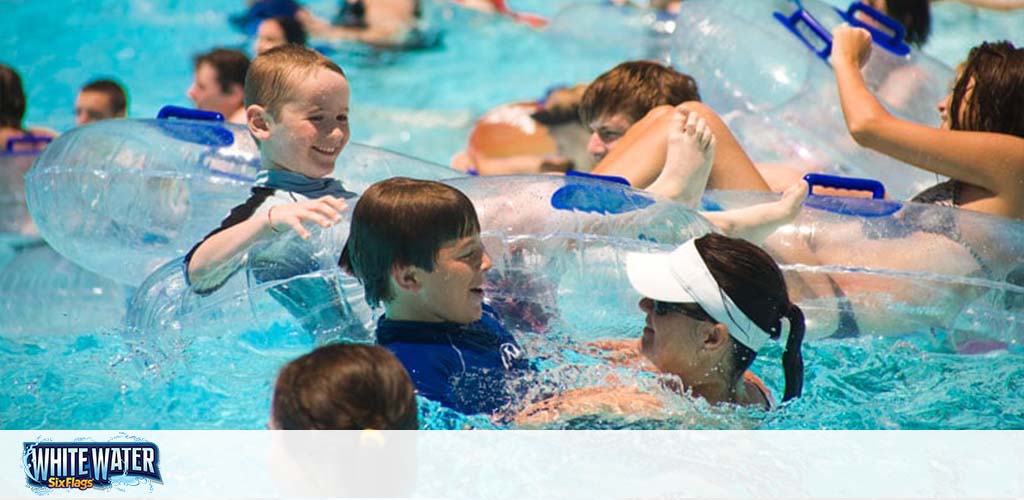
[[380, 23]]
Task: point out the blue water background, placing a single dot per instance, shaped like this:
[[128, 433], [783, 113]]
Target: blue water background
[[423, 104]]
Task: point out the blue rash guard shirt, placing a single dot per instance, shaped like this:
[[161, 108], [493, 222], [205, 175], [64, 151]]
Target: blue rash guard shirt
[[464, 367]]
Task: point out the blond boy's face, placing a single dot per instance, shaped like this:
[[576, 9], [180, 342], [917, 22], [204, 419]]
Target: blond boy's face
[[311, 128]]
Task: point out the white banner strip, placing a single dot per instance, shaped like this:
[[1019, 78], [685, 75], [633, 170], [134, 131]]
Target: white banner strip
[[537, 464]]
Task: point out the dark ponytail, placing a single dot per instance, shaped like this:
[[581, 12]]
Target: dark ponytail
[[792, 358], [753, 280]]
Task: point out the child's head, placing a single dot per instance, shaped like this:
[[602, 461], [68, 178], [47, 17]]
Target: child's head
[[218, 79], [100, 100], [277, 31], [415, 245], [297, 109], [623, 95], [344, 387]]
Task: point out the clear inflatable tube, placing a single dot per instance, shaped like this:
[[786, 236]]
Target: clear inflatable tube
[[15, 220], [903, 267], [560, 260], [552, 237], [43, 295], [535, 228], [122, 197], [613, 32], [780, 98]]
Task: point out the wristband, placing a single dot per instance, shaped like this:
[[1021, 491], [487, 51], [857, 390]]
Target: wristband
[[271, 221]]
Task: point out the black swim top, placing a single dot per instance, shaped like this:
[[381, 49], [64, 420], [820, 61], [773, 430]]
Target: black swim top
[[944, 194], [352, 14]]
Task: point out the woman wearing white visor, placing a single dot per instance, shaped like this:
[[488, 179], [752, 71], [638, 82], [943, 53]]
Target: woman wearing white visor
[[711, 304]]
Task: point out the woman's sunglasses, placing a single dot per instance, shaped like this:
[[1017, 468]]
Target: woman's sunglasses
[[689, 310]]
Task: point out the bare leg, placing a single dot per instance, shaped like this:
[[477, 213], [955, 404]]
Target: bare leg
[[756, 222]]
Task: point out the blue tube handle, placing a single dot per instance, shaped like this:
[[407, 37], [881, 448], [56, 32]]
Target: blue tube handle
[[852, 183], [802, 16], [167, 112], [26, 139], [892, 42]]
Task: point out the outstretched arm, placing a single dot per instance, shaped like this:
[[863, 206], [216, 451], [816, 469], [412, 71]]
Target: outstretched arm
[[640, 155], [217, 257], [991, 161]]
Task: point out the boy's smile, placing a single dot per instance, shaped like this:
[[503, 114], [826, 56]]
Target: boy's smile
[[453, 291], [312, 127]]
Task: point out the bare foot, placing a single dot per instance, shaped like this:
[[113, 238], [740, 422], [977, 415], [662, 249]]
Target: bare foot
[[691, 150], [756, 222]]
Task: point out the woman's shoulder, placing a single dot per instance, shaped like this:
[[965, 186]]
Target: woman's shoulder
[[757, 392]]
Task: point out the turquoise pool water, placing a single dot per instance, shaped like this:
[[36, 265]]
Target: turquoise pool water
[[422, 104]]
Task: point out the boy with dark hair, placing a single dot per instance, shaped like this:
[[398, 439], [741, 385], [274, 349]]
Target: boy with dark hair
[[100, 100], [344, 387], [415, 245], [219, 82]]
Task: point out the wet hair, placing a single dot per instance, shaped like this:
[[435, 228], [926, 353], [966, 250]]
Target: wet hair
[[996, 103], [345, 387], [294, 33], [12, 98], [231, 65], [915, 16], [114, 91], [403, 222], [753, 280], [561, 106], [276, 72], [634, 88]]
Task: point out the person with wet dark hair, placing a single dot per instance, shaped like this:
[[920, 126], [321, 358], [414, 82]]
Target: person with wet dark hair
[[415, 247], [277, 31], [721, 298], [980, 145], [13, 105], [710, 305], [344, 387]]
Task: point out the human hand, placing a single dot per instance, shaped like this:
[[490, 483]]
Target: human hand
[[850, 45], [325, 211]]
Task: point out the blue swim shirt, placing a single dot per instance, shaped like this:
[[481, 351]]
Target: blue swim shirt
[[464, 367]]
